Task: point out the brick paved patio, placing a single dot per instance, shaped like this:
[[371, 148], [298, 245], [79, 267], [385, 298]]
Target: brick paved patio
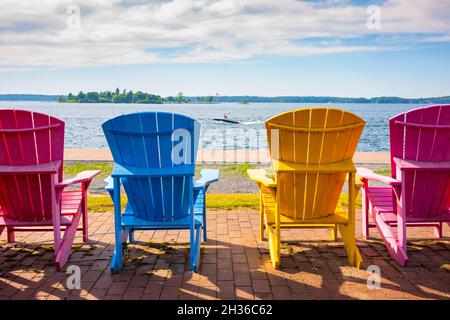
[[235, 265]]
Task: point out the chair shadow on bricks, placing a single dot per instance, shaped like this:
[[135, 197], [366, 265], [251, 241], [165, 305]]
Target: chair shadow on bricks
[[27, 271], [320, 270], [234, 265]]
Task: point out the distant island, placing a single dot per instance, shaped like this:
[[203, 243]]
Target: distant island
[[111, 97], [315, 99], [129, 97], [125, 96]]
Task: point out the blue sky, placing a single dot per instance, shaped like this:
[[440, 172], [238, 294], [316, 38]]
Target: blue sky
[[230, 47]]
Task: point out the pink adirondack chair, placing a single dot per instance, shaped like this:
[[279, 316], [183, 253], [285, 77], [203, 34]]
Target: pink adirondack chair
[[419, 187], [32, 195]]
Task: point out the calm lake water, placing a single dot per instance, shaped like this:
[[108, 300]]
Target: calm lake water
[[83, 121]]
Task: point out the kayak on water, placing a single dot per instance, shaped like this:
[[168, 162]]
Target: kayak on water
[[226, 120]]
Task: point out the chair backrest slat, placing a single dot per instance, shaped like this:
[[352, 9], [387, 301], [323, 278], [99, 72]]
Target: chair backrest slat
[[27, 147], [147, 140], [423, 134], [29, 138], [324, 136]]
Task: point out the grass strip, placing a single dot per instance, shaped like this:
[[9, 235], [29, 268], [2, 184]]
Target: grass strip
[[214, 201]]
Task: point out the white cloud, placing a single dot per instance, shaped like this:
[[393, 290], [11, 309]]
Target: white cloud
[[112, 32]]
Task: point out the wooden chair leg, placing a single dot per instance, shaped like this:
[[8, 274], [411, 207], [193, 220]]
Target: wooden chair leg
[[10, 235], [397, 252], [274, 244], [348, 236], [348, 231], [401, 241], [261, 227], [261, 217], [117, 260], [131, 235], [278, 244], [84, 211], [438, 230], [65, 248], [333, 233], [195, 249], [85, 228], [205, 237], [365, 211], [56, 221]]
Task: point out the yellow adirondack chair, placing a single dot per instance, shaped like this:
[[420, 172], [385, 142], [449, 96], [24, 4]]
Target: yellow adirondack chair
[[311, 151]]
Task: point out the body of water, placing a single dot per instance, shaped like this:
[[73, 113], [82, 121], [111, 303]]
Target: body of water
[[83, 121]]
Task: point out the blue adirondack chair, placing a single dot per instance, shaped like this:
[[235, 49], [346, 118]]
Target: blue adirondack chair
[[154, 159]]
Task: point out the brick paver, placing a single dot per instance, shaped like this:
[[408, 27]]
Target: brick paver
[[235, 265]]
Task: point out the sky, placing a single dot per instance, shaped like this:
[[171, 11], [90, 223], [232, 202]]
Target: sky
[[340, 48]]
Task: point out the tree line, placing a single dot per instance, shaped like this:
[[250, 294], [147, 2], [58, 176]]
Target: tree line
[[315, 99], [125, 96], [111, 97], [140, 97]]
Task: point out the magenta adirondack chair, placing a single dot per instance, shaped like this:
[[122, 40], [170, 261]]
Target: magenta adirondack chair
[[32, 195], [419, 187]]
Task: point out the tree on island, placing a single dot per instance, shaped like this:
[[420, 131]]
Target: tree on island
[[81, 96], [207, 99], [112, 97], [92, 97], [180, 98]]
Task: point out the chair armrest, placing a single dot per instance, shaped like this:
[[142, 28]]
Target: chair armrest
[[84, 176], [260, 176], [46, 168], [124, 171], [358, 181], [404, 164], [337, 167], [207, 176], [370, 175]]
